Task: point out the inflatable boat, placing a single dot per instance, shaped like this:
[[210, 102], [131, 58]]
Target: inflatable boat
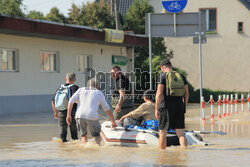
[[132, 137]]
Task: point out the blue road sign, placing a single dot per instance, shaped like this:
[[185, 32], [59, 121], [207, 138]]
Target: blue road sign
[[174, 6]]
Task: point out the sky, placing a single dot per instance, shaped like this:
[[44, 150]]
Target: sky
[[44, 6]]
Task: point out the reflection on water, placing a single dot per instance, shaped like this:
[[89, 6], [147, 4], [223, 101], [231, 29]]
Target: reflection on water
[[34, 144]]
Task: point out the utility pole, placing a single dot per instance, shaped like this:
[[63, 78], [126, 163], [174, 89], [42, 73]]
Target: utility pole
[[111, 2], [117, 19]]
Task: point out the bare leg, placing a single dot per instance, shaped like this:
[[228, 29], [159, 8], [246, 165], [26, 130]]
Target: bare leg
[[162, 139], [98, 140], [182, 138], [85, 139]]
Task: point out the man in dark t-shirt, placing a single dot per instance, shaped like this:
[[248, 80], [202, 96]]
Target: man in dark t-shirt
[[122, 101], [70, 79], [170, 110]]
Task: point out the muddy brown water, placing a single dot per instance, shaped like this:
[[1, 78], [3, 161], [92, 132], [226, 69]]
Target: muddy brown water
[[32, 140]]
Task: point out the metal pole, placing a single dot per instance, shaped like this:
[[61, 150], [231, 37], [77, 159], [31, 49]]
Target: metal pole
[[150, 49], [175, 24], [117, 19], [200, 54]]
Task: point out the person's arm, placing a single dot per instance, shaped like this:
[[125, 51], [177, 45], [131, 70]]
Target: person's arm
[[158, 100], [106, 108], [123, 117], [110, 115], [55, 110], [186, 94], [69, 119], [136, 114], [121, 100]]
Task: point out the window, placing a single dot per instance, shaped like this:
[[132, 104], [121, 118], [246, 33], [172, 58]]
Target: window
[[8, 59], [84, 62], [240, 26], [48, 61], [211, 19]]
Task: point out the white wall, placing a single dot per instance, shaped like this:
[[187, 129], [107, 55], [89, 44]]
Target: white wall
[[31, 81]]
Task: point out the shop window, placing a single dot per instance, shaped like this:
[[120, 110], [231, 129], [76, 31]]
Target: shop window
[[48, 61], [8, 60]]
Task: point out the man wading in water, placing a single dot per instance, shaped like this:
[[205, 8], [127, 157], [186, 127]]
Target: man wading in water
[[171, 99], [89, 99]]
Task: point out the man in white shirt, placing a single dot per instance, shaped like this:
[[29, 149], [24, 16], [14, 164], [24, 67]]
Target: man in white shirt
[[89, 99]]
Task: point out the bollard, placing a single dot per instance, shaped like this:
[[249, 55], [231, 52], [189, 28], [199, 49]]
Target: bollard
[[228, 105], [248, 104], [202, 109], [242, 103], [236, 103], [232, 103], [212, 107], [219, 107], [224, 105]]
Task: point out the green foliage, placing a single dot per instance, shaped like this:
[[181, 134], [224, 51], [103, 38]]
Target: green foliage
[[135, 17], [211, 32], [11, 7], [135, 20], [55, 15], [36, 15], [97, 15], [75, 15]]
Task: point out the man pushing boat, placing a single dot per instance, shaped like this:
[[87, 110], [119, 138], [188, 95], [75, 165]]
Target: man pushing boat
[[89, 99]]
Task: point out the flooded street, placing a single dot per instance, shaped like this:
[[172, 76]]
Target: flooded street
[[31, 140]]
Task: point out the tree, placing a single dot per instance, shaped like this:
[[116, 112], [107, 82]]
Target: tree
[[36, 15], [135, 20], [55, 15], [97, 15], [75, 15], [11, 7], [135, 17]]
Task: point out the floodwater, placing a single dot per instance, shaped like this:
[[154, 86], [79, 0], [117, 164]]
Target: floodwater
[[31, 140]]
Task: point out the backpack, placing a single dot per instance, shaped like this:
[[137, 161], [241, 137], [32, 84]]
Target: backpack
[[174, 84], [62, 97]]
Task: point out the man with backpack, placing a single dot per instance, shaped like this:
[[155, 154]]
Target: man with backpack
[[170, 107], [60, 103]]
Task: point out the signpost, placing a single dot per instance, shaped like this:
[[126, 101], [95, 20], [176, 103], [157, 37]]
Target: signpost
[[174, 6], [176, 25], [162, 24]]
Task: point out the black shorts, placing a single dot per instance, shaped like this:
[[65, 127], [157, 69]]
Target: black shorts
[[173, 117], [164, 119]]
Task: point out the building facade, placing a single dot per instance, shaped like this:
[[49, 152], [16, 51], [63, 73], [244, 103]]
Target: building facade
[[36, 55], [226, 55]]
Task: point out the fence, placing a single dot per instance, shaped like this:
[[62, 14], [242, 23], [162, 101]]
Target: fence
[[225, 103]]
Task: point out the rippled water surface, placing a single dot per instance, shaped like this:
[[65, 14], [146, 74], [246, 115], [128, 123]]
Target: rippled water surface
[[31, 140]]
